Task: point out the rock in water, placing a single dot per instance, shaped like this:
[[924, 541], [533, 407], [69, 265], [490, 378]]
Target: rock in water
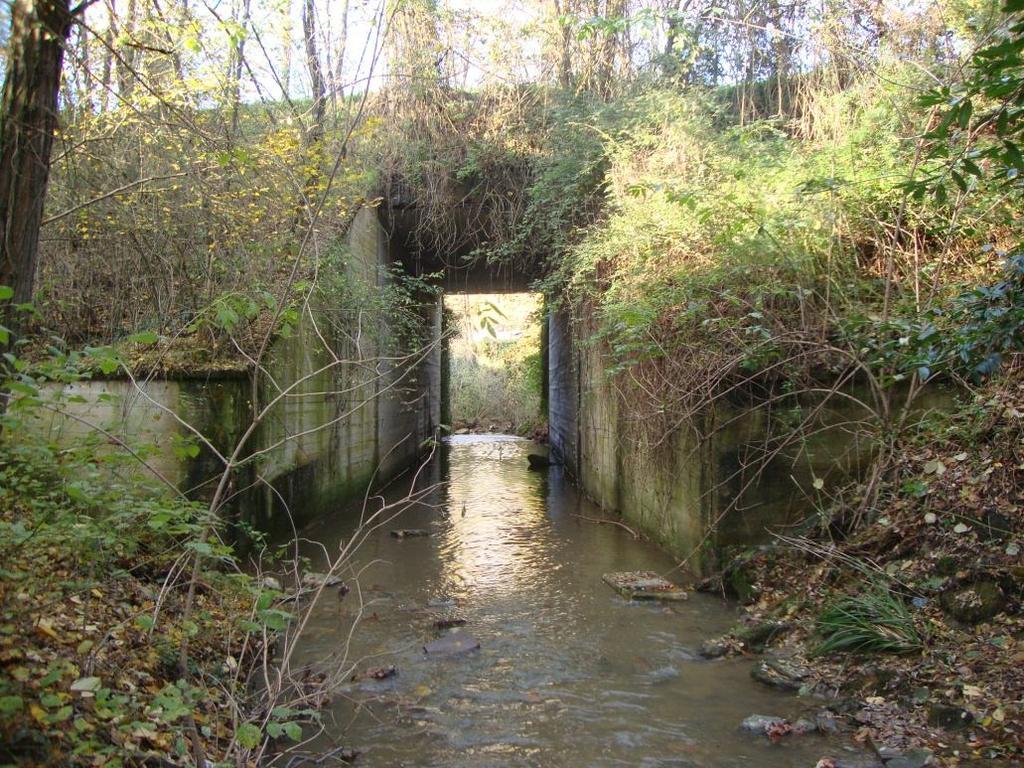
[[454, 644], [760, 724], [313, 580], [714, 648], [410, 533], [780, 673]]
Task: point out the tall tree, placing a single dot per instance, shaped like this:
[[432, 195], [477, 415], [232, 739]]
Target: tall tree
[[316, 72], [28, 119]]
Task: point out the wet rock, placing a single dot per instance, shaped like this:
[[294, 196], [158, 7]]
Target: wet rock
[[826, 723], [410, 533], [760, 724], [715, 648], [377, 673], [974, 603], [803, 726], [850, 761], [449, 623], [455, 644], [313, 580], [948, 716], [754, 637], [757, 636], [915, 758], [781, 673], [538, 461]]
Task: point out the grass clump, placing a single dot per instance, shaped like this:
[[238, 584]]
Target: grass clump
[[876, 621]]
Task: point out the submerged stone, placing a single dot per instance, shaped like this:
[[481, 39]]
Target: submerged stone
[[377, 673], [410, 533], [454, 644], [644, 585], [662, 674], [825, 722], [442, 602], [760, 724]]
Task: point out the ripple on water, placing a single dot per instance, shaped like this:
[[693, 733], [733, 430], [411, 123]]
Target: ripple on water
[[568, 674]]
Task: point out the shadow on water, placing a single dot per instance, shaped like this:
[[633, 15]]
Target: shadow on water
[[567, 674]]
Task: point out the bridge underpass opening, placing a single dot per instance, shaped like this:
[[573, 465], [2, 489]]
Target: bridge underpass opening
[[495, 363]]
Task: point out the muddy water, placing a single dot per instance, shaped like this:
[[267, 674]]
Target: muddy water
[[568, 673]]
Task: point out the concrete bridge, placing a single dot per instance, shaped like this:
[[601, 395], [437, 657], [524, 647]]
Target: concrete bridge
[[459, 270]]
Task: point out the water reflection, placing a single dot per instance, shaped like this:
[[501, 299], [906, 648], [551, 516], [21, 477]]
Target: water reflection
[[568, 673], [496, 543]]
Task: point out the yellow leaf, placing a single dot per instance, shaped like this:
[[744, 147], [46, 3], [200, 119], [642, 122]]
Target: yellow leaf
[[45, 626]]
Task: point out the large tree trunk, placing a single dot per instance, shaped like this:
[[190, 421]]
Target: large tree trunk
[[28, 118]]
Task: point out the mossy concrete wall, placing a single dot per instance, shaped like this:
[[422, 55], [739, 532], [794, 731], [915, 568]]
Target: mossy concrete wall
[[662, 490], [348, 406], [340, 425], [150, 416], [699, 487]]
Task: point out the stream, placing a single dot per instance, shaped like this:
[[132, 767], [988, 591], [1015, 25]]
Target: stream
[[568, 673]]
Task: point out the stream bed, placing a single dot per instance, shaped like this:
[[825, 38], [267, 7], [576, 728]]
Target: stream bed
[[568, 673]]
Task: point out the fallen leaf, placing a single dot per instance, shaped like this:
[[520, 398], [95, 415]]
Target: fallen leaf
[[86, 684], [45, 627]]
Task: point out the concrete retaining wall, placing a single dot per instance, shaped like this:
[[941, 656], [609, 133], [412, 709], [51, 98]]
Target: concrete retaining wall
[[335, 426], [692, 493]]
